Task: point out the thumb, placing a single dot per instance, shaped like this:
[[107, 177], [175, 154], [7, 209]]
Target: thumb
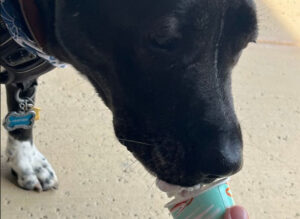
[[236, 212]]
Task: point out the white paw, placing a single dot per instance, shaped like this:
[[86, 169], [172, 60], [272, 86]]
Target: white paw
[[33, 170]]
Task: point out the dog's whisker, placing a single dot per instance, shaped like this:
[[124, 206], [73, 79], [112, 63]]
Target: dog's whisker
[[134, 141], [151, 187], [145, 174], [130, 165]]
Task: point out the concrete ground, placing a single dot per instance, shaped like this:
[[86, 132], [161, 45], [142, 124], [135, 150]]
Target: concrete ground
[[100, 179]]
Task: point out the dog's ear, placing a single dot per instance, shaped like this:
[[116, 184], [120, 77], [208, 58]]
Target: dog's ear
[[239, 32]]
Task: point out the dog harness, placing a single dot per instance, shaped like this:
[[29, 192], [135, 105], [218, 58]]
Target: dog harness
[[21, 43], [17, 28]]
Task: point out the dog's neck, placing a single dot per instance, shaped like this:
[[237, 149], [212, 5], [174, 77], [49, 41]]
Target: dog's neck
[[46, 14]]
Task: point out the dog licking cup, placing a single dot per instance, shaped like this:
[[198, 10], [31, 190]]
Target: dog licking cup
[[207, 201]]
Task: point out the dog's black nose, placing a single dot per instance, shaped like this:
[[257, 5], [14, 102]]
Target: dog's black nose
[[220, 159], [218, 154], [224, 160]]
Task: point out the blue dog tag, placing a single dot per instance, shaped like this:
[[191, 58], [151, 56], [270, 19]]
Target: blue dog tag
[[19, 120]]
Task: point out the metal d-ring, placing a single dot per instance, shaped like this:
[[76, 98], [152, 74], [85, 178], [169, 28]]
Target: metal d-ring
[[26, 103]]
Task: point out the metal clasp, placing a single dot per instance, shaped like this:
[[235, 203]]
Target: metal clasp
[[27, 103]]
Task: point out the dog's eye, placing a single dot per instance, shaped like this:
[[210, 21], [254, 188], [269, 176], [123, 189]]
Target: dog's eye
[[165, 35], [164, 43]]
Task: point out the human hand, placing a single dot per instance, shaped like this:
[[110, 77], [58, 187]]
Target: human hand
[[236, 212]]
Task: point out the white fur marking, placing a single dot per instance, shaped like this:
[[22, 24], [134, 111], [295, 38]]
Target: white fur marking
[[33, 170]]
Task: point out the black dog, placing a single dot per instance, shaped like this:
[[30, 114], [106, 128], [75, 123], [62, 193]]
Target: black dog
[[164, 70]]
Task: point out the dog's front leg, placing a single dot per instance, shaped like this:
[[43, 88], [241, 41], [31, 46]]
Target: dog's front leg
[[32, 169]]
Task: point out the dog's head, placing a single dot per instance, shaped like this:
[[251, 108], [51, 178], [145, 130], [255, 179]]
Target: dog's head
[[164, 70]]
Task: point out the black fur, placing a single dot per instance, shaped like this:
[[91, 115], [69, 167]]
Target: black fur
[[164, 70]]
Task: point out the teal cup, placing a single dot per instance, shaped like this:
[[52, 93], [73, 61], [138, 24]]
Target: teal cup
[[211, 202]]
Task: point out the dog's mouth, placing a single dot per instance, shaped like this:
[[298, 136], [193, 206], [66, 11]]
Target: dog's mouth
[[185, 192], [178, 191], [167, 187]]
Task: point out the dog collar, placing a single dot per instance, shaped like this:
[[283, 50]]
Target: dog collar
[[32, 18]]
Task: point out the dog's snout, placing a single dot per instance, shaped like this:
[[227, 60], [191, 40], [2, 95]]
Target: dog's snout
[[221, 158], [215, 156], [225, 159]]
